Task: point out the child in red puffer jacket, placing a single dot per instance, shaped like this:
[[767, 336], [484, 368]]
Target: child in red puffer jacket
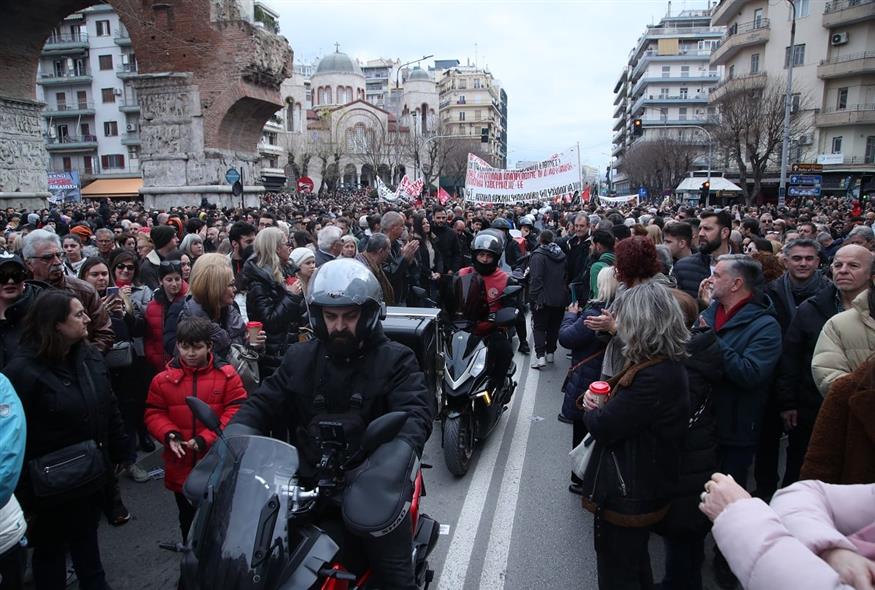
[[194, 371]]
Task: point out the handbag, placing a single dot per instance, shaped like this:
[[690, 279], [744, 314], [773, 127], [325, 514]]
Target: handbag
[[121, 355], [71, 472], [245, 362], [581, 455], [572, 369]]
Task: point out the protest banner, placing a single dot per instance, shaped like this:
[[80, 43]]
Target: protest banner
[[624, 200], [558, 177], [64, 187]]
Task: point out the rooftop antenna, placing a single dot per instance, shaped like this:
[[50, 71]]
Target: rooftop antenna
[[475, 55]]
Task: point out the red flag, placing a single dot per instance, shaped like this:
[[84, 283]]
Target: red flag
[[584, 198], [443, 196]]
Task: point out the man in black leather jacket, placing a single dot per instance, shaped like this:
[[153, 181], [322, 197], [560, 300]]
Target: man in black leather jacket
[[350, 368]]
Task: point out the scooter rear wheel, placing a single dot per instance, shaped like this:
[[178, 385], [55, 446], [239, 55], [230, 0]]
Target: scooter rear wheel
[[459, 443]]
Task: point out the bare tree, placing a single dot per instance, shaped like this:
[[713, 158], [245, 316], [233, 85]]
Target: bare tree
[[660, 164], [379, 148], [455, 167], [429, 153], [750, 129]]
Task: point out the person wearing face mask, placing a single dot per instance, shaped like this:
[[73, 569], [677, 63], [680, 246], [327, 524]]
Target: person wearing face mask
[[350, 373]]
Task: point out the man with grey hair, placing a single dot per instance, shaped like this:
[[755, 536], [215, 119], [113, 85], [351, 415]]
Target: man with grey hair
[[42, 253], [105, 240], [577, 249], [743, 320], [374, 256], [862, 235], [401, 256], [328, 244]]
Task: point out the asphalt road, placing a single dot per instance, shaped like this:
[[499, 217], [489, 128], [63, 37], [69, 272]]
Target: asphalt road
[[510, 523]]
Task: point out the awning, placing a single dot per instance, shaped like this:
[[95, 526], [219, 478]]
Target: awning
[[113, 188], [718, 183]]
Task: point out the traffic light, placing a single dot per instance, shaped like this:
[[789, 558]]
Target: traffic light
[[637, 127], [484, 135], [705, 190]]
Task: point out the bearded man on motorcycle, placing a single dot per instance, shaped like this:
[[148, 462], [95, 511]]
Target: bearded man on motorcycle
[[349, 375]]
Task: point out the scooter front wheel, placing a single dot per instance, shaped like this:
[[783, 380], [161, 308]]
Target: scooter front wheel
[[459, 443]]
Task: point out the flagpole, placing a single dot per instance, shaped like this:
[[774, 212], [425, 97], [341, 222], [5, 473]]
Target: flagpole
[[579, 174]]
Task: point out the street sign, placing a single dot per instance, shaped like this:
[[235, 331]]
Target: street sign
[[807, 180], [806, 167], [232, 175], [803, 191]]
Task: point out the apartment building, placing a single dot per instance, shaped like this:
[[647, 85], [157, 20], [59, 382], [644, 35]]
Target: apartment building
[[471, 105], [833, 78], [666, 85]]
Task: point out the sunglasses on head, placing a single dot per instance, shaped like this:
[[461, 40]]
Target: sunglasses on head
[[16, 274], [172, 264]]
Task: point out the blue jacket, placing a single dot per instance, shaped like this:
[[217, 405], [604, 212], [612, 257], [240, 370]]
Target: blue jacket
[[751, 346], [13, 435], [583, 343]]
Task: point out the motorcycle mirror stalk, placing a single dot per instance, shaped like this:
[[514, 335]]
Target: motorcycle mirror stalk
[[203, 412]]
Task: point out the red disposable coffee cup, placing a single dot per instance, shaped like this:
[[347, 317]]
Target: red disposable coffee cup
[[253, 328], [600, 389]]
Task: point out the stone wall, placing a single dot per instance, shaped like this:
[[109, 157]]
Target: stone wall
[[23, 156]]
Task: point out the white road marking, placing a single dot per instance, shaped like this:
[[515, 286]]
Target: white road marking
[[455, 567], [498, 548]]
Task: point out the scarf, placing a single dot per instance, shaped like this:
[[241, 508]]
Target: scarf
[[794, 294]]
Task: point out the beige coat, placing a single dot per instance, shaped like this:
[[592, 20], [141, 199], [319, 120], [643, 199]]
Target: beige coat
[[846, 342]]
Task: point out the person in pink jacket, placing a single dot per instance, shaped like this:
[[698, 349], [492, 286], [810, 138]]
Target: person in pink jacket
[[814, 536]]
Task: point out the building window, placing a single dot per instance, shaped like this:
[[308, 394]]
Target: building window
[[84, 129], [110, 129], [67, 163], [869, 158], [837, 144], [798, 55], [842, 99], [82, 99], [461, 115], [685, 93], [477, 83], [102, 28], [463, 84], [682, 113], [105, 62], [478, 114], [663, 93], [666, 71], [757, 18], [795, 102], [112, 161], [755, 63], [803, 9], [107, 95], [88, 162], [61, 100], [731, 73], [685, 71], [663, 114]]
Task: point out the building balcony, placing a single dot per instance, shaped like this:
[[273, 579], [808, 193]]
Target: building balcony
[[618, 149], [661, 81], [72, 143], [276, 172], [122, 38], [726, 86], [52, 79], [654, 57], [696, 120], [67, 44], [621, 108], [619, 123], [847, 65], [270, 148], [126, 71], [724, 12], [854, 114], [130, 105], [739, 36], [274, 124], [847, 12], [83, 109], [652, 99], [619, 135], [622, 79], [132, 138]]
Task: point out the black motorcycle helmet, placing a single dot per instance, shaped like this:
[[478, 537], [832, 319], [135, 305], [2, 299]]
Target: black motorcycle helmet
[[345, 282], [486, 241]]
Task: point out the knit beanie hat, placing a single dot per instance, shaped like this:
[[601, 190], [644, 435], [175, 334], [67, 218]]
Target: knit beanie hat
[[83, 231], [161, 235], [301, 255]]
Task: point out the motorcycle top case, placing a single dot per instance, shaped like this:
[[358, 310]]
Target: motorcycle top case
[[416, 328]]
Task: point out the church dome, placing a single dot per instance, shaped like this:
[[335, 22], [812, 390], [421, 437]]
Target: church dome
[[418, 74], [337, 63]]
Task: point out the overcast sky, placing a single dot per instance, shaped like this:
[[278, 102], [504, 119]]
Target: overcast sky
[[557, 60]]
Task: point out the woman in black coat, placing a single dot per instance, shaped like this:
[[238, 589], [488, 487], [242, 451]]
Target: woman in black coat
[[638, 435], [65, 389]]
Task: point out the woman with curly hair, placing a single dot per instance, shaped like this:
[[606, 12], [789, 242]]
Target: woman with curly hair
[[636, 260]]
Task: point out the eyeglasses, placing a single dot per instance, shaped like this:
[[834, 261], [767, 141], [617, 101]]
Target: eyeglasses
[[47, 257], [127, 267], [17, 276]]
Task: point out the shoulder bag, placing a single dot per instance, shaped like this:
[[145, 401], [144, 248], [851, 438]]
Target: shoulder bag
[[245, 362]]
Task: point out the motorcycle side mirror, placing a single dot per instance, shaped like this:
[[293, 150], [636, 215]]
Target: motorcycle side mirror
[[506, 316], [512, 290], [382, 430], [203, 412]]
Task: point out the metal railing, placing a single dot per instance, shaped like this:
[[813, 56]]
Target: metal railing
[[746, 27], [56, 76], [71, 139], [839, 5], [82, 106], [127, 69], [683, 30], [64, 38], [128, 102], [848, 108], [850, 57]]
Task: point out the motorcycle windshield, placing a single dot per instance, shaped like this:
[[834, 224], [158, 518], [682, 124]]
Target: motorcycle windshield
[[460, 352], [468, 303], [239, 529]]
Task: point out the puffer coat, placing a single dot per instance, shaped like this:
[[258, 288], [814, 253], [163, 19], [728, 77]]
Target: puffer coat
[[846, 342]]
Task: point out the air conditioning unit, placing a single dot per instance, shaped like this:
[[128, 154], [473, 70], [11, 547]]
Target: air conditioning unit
[[125, 59], [806, 139], [838, 39], [117, 91], [132, 127]]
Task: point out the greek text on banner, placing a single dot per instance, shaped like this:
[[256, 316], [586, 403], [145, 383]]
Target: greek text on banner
[[556, 177]]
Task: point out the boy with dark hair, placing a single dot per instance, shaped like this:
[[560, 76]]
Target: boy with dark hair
[[193, 371]]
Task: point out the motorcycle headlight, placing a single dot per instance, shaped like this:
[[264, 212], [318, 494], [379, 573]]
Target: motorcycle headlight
[[479, 364]]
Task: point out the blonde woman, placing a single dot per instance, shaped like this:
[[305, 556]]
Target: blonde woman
[[211, 295], [273, 298]]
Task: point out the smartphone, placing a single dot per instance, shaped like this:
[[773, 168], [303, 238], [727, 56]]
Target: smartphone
[[111, 291]]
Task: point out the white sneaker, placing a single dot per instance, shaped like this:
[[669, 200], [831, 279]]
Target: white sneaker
[[137, 473], [550, 358], [538, 362]]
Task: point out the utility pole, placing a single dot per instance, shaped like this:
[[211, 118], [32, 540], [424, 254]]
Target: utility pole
[[788, 101]]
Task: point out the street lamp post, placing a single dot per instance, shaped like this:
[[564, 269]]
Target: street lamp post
[[788, 100], [398, 72]]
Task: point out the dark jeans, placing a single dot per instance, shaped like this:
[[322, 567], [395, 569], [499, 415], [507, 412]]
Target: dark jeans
[[186, 514], [545, 328], [765, 471], [766, 468], [684, 557], [622, 557], [735, 461], [70, 527], [12, 568]]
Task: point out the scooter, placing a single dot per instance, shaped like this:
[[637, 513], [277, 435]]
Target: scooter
[[254, 526], [470, 410]]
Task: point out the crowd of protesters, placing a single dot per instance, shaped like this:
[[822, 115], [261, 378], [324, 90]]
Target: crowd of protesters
[[722, 330]]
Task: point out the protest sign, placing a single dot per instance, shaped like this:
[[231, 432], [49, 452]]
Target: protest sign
[[558, 177]]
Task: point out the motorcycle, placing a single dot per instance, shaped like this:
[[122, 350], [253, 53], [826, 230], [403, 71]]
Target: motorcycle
[[470, 410], [254, 526]]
